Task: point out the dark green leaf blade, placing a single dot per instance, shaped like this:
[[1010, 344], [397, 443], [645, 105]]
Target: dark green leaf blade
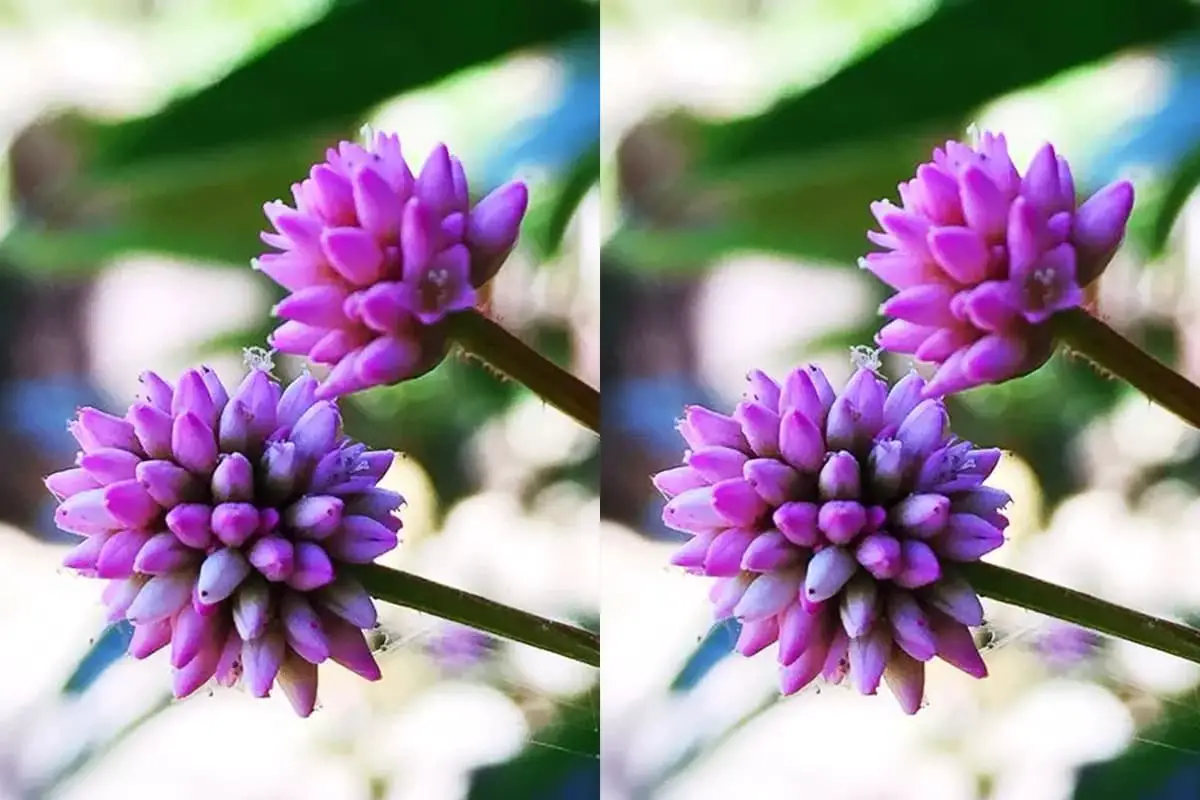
[[963, 55], [326, 74]]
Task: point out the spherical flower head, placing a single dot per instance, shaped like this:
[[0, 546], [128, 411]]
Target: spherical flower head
[[222, 525], [833, 523], [981, 257], [375, 258]]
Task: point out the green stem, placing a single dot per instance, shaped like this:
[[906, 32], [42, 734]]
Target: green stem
[[1018, 589], [1113, 352], [446, 602], [491, 342]]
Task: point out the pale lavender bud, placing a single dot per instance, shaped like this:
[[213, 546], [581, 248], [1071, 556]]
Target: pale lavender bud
[[839, 478]]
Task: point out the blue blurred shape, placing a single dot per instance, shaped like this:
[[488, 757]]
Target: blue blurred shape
[[108, 648], [1162, 139], [717, 644], [570, 129]]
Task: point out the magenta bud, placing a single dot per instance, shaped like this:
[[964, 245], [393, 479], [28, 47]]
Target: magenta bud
[[839, 478], [221, 574], [910, 626], [775, 481], [492, 228], [857, 608], [885, 469], [670, 482], [274, 557], [919, 565], [954, 597], [193, 445], [717, 463], [800, 442], [361, 540], [770, 551], [968, 537], [727, 550], [708, 428], [312, 570], [922, 515], [234, 523], [756, 635], [828, 571], [762, 389], [798, 523], [841, 520], [192, 523], [302, 628], [737, 503], [105, 430], [163, 553], [233, 479], [109, 464], [347, 598], [760, 426], [880, 555], [252, 608], [70, 482]]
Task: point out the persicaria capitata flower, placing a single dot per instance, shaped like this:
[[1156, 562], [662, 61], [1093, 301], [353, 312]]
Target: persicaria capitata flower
[[981, 257], [222, 525], [833, 523], [375, 258]]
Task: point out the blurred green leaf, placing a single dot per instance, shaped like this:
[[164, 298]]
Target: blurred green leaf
[[547, 223], [817, 207], [328, 73], [1178, 188], [571, 744], [965, 54], [1161, 750]]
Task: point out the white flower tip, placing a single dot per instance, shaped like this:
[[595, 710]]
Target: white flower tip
[[865, 357], [259, 358], [973, 134], [367, 133]]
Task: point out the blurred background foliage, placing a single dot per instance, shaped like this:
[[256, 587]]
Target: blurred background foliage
[[744, 143], [143, 137]]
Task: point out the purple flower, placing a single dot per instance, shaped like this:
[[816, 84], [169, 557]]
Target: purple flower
[[981, 257], [1062, 645], [221, 523], [375, 259], [832, 523], [457, 648]]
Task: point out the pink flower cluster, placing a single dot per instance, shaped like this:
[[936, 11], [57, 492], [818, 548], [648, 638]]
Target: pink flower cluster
[[222, 524]]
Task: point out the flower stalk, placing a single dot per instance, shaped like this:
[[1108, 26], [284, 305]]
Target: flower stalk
[[1016, 588], [489, 341], [446, 602], [1108, 349]]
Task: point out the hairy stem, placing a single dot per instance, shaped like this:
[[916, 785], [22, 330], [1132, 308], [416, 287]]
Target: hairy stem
[[1018, 589], [488, 340], [446, 602], [1110, 350]]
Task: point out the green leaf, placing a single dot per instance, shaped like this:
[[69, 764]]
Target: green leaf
[[817, 207], [328, 73], [446, 602], [1179, 187], [938, 71], [1160, 751], [571, 744], [1018, 589], [550, 224]]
